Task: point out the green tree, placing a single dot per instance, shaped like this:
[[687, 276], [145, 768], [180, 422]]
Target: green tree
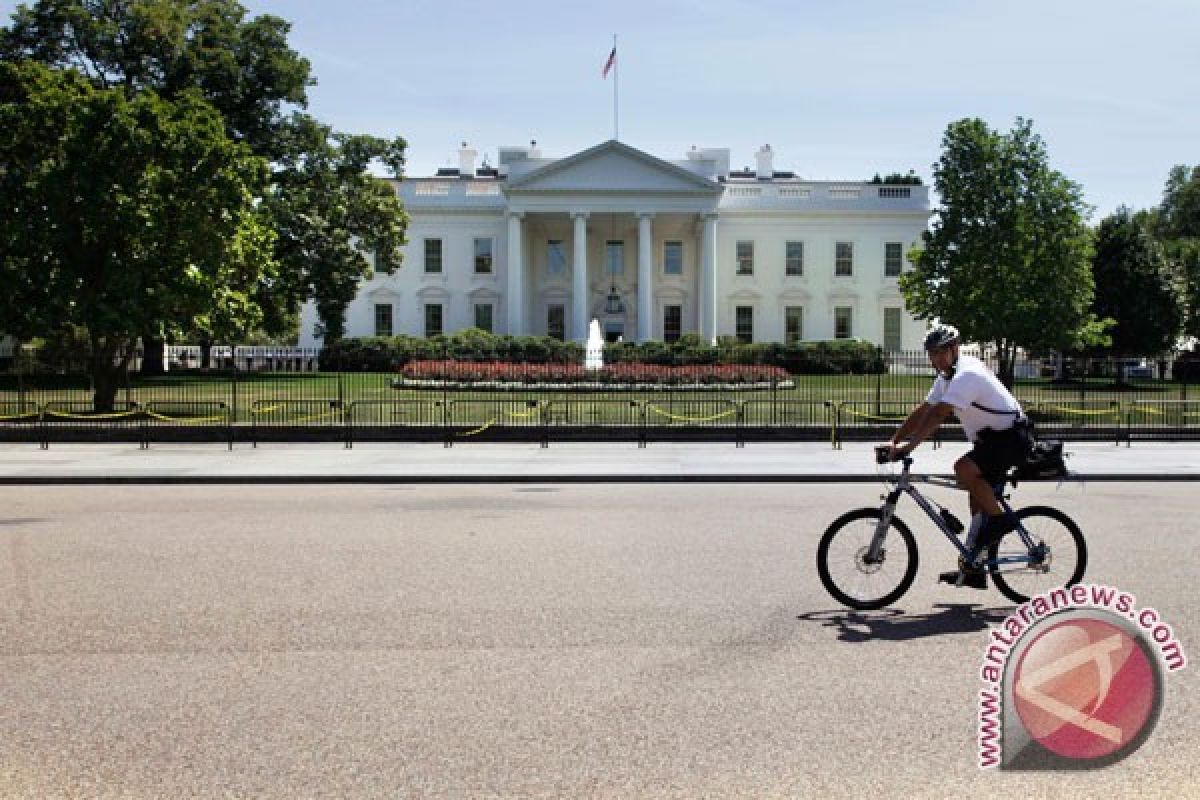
[[1134, 286], [1176, 223], [121, 214], [329, 213], [245, 68], [1179, 214], [1008, 256]]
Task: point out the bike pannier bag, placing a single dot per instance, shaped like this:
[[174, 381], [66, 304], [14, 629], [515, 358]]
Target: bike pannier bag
[[1045, 460]]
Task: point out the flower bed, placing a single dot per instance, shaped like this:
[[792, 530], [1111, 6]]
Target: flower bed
[[498, 374]]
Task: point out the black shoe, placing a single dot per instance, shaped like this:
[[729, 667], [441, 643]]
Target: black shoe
[[971, 578]]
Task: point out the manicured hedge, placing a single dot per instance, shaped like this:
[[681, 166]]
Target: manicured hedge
[[388, 354]]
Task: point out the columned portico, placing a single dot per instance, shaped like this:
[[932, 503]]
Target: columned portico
[[708, 288], [645, 277], [579, 292], [607, 186], [516, 277]]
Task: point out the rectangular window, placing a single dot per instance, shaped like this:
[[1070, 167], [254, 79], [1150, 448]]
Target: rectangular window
[[483, 317], [843, 322], [672, 258], [745, 258], [433, 255], [893, 259], [383, 319], [745, 324], [433, 319], [556, 321], [672, 323], [794, 258], [483, 255], [793, 320], [891, 330], [844, 259], [614, 257], [556, 257]]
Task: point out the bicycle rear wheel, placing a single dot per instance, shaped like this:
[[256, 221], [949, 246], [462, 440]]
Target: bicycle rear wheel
[[1058, 557], [847, 574]]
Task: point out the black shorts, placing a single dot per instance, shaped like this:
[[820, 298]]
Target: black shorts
[[996, 452]]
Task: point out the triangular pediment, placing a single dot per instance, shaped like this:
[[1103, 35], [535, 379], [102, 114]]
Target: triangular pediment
[[613, 167]]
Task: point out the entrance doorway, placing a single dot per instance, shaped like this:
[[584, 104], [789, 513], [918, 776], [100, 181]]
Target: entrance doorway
[[614, 331]]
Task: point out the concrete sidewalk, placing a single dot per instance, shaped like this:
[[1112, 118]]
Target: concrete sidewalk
[[527, 462]]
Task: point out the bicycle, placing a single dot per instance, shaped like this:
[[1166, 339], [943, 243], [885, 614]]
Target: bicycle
[[1045, 551]]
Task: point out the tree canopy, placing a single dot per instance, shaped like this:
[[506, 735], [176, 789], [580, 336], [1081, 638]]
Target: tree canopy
[[244, 67], [328, 211], [1007, 258], [1134, 286], [321, 198], [1176, 222], [122, 213]]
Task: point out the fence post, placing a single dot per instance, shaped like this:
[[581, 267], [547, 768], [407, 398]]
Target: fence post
[[740, 419], [233, 399], [879, 387]]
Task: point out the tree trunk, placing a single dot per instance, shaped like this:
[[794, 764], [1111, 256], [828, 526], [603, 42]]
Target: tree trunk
[[153, 352], [107, 371], [205, 354]]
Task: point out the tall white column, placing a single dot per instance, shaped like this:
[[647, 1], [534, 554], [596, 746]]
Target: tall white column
[[516, 277], [579, 286], [708, 294], [645, 293]]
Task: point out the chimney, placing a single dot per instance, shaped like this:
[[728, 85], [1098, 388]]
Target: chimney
[[765, 168], [466, 161]]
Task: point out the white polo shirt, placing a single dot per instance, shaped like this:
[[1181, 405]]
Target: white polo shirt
[[972, 383]]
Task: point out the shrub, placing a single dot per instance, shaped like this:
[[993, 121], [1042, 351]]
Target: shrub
[[842, 356]]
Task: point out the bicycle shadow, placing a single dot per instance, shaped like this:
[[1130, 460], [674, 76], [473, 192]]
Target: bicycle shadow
[[895, 625]]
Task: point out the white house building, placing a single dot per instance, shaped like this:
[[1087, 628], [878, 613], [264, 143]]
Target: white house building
[[650, 248]]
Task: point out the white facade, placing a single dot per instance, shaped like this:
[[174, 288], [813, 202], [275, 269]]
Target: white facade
[[688, 246]]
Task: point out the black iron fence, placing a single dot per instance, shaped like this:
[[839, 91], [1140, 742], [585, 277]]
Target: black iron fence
[[1122, 400]]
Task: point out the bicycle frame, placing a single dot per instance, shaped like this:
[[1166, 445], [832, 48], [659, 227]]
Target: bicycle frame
[[904, 485]]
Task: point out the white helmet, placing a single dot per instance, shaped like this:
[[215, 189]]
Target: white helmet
[[940, 336]]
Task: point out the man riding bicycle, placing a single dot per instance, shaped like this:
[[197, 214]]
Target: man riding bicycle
[[992, 420]]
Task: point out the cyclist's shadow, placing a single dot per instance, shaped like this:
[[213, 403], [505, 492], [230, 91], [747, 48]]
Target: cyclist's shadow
[[894, 625]]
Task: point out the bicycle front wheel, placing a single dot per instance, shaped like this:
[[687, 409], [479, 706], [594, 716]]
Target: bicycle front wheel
[[1058, 556], [851, 576]]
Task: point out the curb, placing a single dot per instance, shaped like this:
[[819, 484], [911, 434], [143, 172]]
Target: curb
[[201, 480]]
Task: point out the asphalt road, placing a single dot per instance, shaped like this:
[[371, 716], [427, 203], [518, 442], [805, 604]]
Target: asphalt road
[[573, 641]]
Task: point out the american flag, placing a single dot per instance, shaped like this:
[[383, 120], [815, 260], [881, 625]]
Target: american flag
[[612, 59]]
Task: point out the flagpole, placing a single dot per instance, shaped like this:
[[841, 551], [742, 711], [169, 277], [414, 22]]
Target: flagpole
[[616, 80]]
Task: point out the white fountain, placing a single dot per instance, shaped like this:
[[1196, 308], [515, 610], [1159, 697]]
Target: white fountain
[[593, 355]]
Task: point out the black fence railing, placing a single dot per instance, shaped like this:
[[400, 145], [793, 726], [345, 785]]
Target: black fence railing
[[1100, 399]]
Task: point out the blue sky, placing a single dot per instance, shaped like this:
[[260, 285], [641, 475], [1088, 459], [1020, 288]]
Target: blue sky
[[840, 90]]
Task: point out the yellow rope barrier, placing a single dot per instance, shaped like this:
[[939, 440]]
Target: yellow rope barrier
[[117, 415], [486, 425], [494, 420], [184, 420], [11, 417], [874, 417], [1083, 412], [658, 410]]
